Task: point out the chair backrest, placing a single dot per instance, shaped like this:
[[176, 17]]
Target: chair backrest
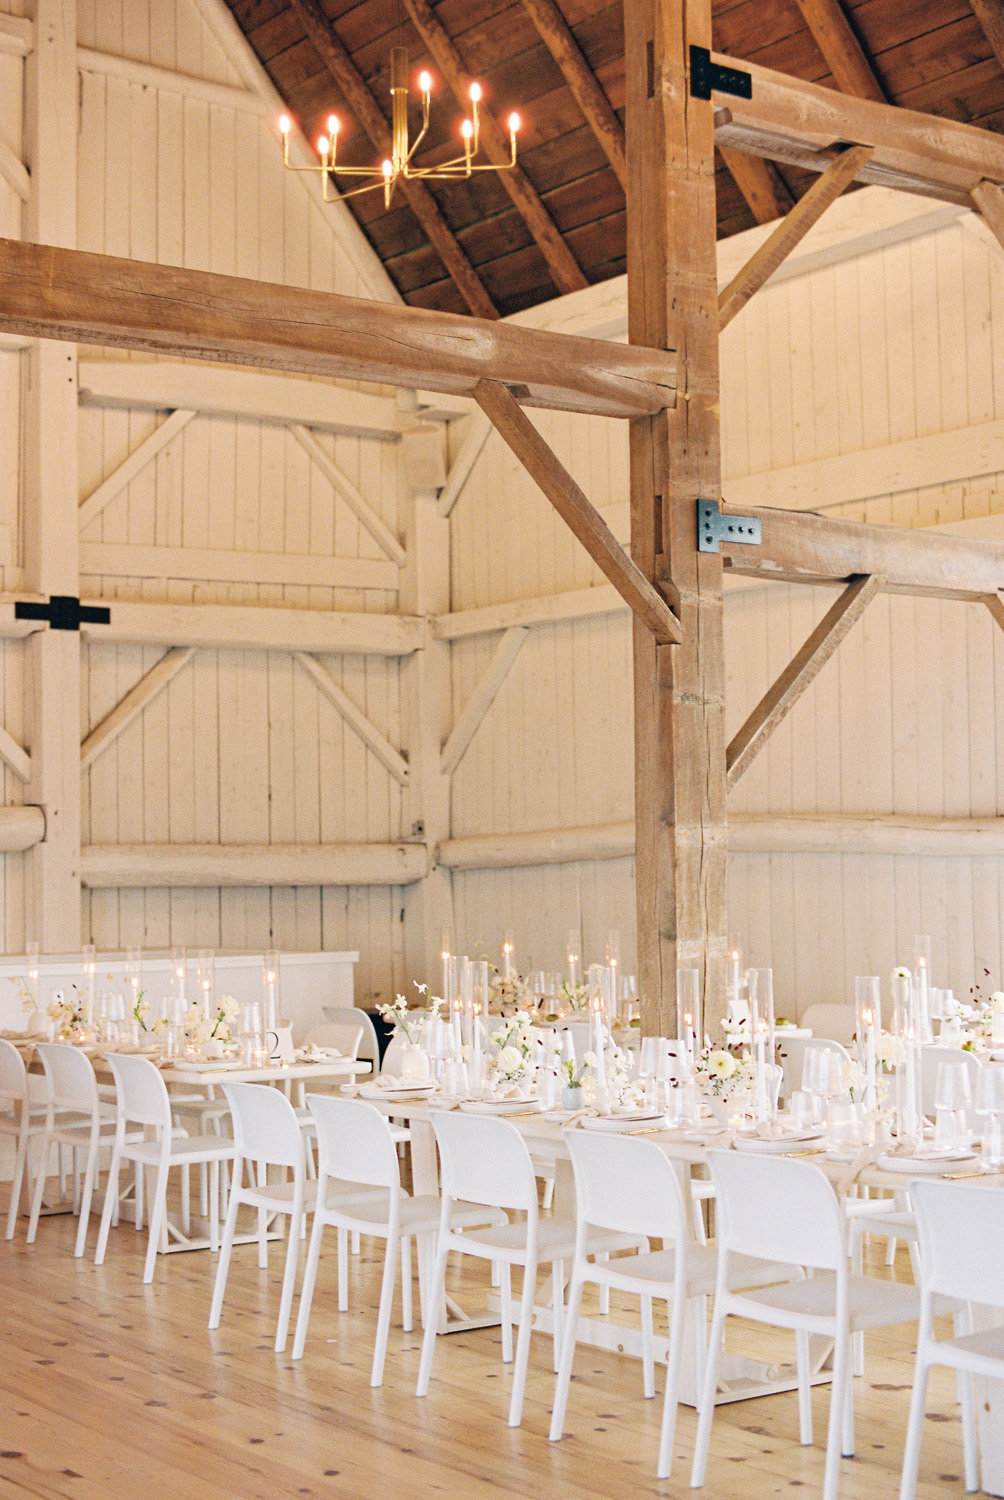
[[626, 1185], [13, 1074], [354, 1142], [142, 1092], [265, 1124], [961, 1230], [70, 1077], [344, 1037], [484, 1159], [778, 1209], [790, 1053], [931, 1058], [836, 1022], [351, 1015]]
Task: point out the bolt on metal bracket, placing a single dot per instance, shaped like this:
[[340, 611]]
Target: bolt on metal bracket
[[714, 528]]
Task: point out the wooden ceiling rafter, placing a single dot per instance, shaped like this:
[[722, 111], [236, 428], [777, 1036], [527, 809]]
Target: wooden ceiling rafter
[[564, 269], [360, 99], [838, 42], [990, 14], [558, 38], [760, 183]]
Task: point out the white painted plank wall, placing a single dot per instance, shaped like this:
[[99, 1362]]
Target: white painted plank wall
[[908, 717]]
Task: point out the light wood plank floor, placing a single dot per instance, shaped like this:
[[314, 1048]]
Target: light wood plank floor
[[116, 1391]]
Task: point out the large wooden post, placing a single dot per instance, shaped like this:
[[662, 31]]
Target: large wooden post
[[49, 508], [679, 719]]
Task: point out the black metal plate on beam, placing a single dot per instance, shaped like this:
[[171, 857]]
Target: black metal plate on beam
[[707, 77], [63, 612], [714, 528]]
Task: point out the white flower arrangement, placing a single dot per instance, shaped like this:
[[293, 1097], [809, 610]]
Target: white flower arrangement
[[68, 1014], [574, 994], [508, 992], [725, 1072], [24, 991], [409, 1020], [510, 1063], [202, 1029]]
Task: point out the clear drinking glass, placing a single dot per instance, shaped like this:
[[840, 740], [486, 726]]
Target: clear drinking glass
[[953, 1099], [990, 1105]]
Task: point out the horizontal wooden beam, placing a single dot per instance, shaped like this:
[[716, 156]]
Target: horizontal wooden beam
[[581, 517], [21, 828], [748, 833], [577, 604], [72, 295], [247, 627], [353, 497], [798, 547], [790, 232], [216, 390], [132, 705], [389, 757], [807, 125], [126, 560], [481, 699], [117, 866], [803, 669], [91, 507], [168, 80]]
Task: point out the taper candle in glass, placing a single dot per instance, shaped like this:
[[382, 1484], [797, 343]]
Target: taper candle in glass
[[761, 1012], [205, 978], [89, 965], [508, 949], [573, 956], [922, 976], [179, 972], [133, 979], [445, 954], [867, 1025], [736, 1010], [688, 1015], [31, 950], [598, 1039], [909, 1114], [466, 997], [270, 987], [477, 1064], [614, 965]]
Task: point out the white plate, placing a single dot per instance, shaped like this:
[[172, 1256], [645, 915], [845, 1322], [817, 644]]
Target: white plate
[[944, 1163], [322, 1055], [501, 1106], [217, 1065], [416, 1091], [625, 1124], [778, 1145]]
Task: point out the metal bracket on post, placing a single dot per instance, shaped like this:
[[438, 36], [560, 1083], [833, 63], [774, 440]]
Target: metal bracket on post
[[713, 528], [706, 76]]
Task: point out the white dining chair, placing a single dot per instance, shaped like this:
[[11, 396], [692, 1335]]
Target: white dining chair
[[931, 1057], [790, 1052], [266, 1134], [359, 1191], [20, 1119], [631, 1187], [75, 1117], [368, 1049], [780, 1209], [143, 1100], [962, 1262], [485, 1160]]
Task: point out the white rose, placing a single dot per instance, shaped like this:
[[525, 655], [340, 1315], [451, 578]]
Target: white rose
[[510, 1060]]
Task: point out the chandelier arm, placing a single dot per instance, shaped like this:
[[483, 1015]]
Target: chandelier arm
[[416, 143]]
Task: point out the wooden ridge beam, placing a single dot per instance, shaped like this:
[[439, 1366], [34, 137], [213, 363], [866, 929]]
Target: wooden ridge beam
[[565, 270], [47, 292], [336, 58], [803, 669], [557, 36], [582, 518], [792, 229], [760, 184], [164, 866], [133, 704], [799, 547], [95, 502], [354, 499], [807, 125], [546, 846], [482, 698], [390, 758], [840, 46]]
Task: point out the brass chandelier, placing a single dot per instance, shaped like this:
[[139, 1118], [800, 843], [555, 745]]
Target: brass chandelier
[[400, 163]]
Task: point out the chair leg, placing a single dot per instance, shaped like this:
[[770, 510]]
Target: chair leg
[[857, 1267], [567, 1357], [261, 1179], [307, 1290], [915, 1424], [604, 1291], [962, 1324], [847, 1446], [437, 1307], [289, 1275], [343, 1270], [407, 1312], [90, 1172], [528, 1290], [557, 1308], [838, 1397], [386, 1303], [186, 1197], [506, 1300], [804, 1390], [111, 1198], [707, 1407], [214, 1205], [36, 1197], [158, 1214], [670, 1400], [647, 1349], [223, 1265], [20, 1168]]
